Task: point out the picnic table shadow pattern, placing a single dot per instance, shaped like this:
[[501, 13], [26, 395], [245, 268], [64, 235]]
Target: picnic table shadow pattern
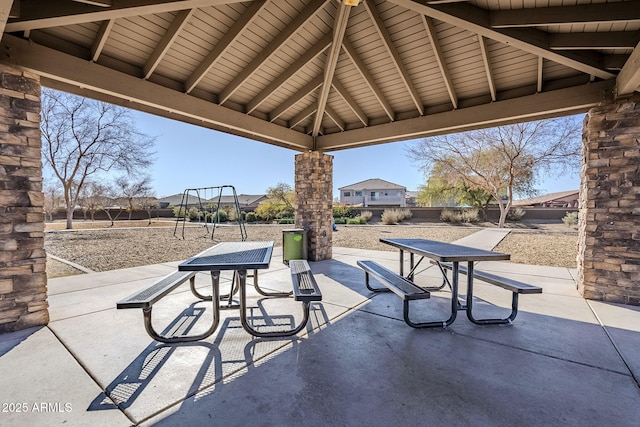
[[221, 361]]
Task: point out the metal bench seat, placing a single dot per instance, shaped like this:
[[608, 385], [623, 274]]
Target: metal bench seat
[[515, 286], [397, 284]]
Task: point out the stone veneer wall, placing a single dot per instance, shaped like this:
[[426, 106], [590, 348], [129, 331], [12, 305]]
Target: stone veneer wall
[[313, 203], [609, 242], [23, 280]]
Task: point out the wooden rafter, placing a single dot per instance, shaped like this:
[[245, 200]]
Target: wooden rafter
[[435, 43], [477, 20], [348, 99], [224, 44], [291, 71], [368, 78], [395, 57], [101, 39], [628, 80], [168, 38], [578, 41], [339, 28], [275, 45], [595, 13], [37, 14], [484, 49], [297, 97]]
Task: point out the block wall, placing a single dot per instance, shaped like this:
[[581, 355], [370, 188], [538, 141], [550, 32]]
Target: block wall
[[609, 238], [23, 280], [313, 202]]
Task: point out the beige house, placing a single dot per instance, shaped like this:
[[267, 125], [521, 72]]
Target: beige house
[[561, 199], [374, 192]]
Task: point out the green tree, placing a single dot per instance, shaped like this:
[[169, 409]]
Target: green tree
[[503, 160], [279, 203]]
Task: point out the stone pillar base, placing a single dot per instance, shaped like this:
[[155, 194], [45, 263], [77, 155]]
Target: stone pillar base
[[23, 280], [313, 203], [609, 236]]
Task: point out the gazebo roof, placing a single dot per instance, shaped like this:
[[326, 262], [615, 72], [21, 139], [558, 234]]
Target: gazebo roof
[[320, 74]]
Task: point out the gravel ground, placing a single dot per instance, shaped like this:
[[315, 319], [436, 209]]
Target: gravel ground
[[113, 248]]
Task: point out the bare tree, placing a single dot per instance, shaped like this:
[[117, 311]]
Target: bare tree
[[502, 160], [130, 189], [52, 198], [83, 138]]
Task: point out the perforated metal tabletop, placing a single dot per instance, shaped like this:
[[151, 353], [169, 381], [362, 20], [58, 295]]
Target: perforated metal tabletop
[[231, 256]]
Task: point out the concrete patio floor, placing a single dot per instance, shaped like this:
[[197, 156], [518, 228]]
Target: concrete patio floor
[[564, 361]]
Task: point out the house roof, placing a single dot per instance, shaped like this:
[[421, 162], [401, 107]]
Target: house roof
[[192, 199], [547, 198], [373, 184], [325, 75]]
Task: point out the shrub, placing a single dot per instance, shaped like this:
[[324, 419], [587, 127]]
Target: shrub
[[251, 217], [447, 215], [471, 215], [179, 212], [340, 220], [218, 216], [194, 214], [340, 211], [286, 221], [366, 215], [571, 218], [356, 221], [455, 217], [394, 216], [515, 214]]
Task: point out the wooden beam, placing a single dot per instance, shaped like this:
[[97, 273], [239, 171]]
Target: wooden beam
[[353, 105], [339, 28], [7, 9], [170, 36], [298, 22], [435, 43], [395, 57], [101, 3], [536, 42], [540, 69], [38, 14], [594, 13], [78, 75], [225, 43], [532, 107], [297, 97], [303, 115], [335, 118], [628, 80], [291, 71], [487, 66], [578, 41], [368, 78], [101, 39]]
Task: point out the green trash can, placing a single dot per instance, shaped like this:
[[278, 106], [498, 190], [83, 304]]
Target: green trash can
[[294, 244]]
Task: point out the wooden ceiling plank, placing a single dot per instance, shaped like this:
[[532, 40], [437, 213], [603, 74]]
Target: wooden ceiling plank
[[595, 13], [7, 10], [179, 22], [628, 80], [435, 43], [339, 29], [81, 75], [308, 56], [37, 14], [353, 105], [300, 21], [556, 103], [368, 78], [224, 44], [101, 39], [589, 41], [395, 57], [297, 97], [477, 20], [484, 49]]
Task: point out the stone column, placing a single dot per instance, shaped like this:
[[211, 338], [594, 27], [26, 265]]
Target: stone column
[[609, 236], [314, 195], [23, 281]]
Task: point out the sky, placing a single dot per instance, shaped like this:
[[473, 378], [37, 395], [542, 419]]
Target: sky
[[189, 156]]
